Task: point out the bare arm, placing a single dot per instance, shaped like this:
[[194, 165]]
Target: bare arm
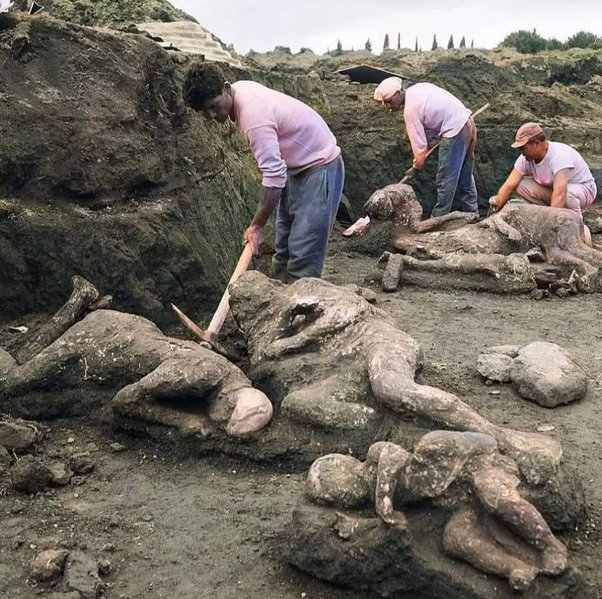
[[416, 135], [391, 462], [559, 188], [497, 221], [507, 189], [270, 196], [266, 150]]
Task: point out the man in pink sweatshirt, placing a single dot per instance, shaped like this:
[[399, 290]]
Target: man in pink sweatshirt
[[430, 113], [300, 161]]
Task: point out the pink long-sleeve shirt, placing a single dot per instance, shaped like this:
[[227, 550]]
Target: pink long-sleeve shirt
[[430, 112], [285, 134]]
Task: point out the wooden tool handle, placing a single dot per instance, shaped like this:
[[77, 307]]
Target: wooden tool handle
[[224, 306], [482, 109]]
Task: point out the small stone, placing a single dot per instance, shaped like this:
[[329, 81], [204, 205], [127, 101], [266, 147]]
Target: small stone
[[49, 564], [117, 447], [70, 440], [17, 437], [81, 574], [368, 295], [18, 329], [507, 350], [545, 428], [548, 375], [81, 464], [494, 367], [104, 567], [392, 274], [29, 475], [61, 475], [384, 258], [535, 255]]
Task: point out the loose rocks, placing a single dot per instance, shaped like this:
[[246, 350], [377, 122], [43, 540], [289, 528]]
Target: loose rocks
[[29, 475], [541, 372], [48, 565], [547, 374]]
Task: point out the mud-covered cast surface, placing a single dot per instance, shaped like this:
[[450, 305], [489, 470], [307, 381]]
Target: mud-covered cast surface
[[182, 523]]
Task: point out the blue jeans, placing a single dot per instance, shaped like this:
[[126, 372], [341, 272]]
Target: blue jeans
[[454, 174], [306, 213]]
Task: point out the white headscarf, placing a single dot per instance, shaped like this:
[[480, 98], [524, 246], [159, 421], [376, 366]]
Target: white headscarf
[[387, 89]]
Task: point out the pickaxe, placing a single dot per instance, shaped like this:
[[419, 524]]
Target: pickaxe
[[362, 224], [210, 334]]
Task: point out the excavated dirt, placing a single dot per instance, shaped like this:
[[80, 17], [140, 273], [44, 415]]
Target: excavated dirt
[[173, 525]]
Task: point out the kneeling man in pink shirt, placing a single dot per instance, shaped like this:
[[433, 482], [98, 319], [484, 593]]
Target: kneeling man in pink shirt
[[549, 173], [301, 164]]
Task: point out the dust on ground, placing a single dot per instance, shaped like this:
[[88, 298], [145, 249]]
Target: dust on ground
[[180, 526]]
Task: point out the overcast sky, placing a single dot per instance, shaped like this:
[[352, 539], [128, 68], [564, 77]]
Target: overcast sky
[[318, 24]]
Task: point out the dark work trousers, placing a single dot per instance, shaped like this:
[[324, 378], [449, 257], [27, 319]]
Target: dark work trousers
[[454, 174], [306, 213]]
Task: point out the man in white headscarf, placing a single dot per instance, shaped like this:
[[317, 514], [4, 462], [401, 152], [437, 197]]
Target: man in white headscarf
[[431, 112]]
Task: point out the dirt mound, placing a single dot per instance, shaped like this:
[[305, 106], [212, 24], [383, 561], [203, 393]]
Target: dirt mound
[[561, 90], [110, 13], [102, 173]]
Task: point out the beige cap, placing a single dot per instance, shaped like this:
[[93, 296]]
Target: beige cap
[[525, 133], [387, 89]]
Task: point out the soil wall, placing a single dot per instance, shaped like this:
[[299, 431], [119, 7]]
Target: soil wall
[[104, 173]]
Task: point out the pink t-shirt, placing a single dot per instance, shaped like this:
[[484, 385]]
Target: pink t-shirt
[[285, 134], [432, 112], [559, 156]]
